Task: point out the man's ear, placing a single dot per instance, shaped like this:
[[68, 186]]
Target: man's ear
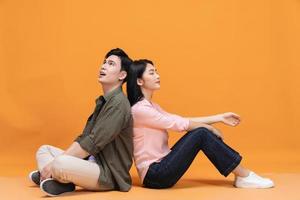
[[140, 82], [123, 75]]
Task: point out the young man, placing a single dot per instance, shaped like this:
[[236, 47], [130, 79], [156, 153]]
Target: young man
[[101, 157]]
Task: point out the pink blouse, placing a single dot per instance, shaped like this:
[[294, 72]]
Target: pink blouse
[[150, 136]]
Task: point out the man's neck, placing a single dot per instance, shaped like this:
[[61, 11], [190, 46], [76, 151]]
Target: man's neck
[[108, 88]]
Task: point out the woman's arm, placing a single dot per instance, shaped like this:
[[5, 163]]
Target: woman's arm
[[228, 118], [147, 116], [194, 125], [206, 120]]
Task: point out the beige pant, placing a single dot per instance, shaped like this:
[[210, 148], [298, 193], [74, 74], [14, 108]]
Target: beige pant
[[67, 169]]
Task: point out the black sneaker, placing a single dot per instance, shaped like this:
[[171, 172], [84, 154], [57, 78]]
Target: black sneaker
[[34, 176], [53, 188]]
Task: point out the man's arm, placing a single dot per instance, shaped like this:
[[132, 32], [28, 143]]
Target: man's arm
[[76, 151], [107, 127]]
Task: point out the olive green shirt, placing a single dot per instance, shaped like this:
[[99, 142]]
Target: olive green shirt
[[108, 137]]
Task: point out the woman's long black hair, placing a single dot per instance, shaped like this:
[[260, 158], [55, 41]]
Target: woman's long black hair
[[136, 70]]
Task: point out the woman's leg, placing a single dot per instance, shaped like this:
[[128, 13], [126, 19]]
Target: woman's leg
[[241, 171], [169, 170]]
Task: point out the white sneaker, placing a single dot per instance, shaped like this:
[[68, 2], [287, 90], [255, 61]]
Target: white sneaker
[[253, 181]]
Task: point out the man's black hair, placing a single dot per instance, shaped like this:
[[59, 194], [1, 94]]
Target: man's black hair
[[125, 60]]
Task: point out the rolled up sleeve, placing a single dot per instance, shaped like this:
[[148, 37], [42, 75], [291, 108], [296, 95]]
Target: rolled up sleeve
[[88, 124], [108, 125]]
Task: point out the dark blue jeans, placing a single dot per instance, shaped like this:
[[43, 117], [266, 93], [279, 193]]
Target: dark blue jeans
[[169, 170]]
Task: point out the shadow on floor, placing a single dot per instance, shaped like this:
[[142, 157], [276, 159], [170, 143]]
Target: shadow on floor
[[191, 183]]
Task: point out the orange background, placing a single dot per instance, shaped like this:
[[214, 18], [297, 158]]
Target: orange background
[[212, 56]]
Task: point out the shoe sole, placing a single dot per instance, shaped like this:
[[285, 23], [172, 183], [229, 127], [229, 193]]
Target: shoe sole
[[251, 186], [52, 195]]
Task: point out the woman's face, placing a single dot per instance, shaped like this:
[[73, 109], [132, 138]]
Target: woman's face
[[150, 79]]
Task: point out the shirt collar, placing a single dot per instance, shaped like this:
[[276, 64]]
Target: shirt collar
[[109, 95]]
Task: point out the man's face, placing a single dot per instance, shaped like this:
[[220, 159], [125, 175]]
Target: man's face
[[110, 72]]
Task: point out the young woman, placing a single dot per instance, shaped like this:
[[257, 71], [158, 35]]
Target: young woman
[[161, 167]]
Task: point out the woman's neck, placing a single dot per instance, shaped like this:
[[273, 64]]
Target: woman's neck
[[147, 94]]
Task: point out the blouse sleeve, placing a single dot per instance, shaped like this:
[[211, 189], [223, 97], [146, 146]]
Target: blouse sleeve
[[146, 115]]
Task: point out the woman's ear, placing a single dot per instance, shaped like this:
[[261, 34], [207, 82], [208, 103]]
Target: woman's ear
[[140, 82], [123, 75]]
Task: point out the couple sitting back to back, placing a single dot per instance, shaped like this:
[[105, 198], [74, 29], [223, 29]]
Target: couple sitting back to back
[[121, 127]]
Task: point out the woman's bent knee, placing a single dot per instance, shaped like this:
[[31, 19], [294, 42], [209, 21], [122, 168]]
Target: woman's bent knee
[[201, 129], [201, 132]]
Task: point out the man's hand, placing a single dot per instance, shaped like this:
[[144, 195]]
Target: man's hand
[[46, 172], [230, 118]]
